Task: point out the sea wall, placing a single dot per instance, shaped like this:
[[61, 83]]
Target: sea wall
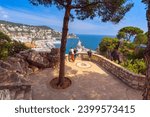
[[135, 81]]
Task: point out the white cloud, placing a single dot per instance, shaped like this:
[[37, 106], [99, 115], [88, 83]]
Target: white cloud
[[28, 17], [56, 20], [4, 14], [79, 27]]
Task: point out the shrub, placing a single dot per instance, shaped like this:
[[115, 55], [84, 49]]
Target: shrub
[[4, 49], [16, 47], [129, 45], [8, 47], [4, 37], [108, 44], [139, 53], [137, 66], [3, 52]]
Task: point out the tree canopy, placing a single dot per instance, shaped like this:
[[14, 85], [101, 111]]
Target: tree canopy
[[108, 44], [129, 32], [141, 39], [107, 10], [121, 35], [146, 1]]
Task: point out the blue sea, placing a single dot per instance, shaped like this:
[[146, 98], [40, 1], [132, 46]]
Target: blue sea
[[88, 41]]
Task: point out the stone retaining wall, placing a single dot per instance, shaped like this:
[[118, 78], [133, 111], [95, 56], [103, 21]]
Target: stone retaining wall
[[135, 81]]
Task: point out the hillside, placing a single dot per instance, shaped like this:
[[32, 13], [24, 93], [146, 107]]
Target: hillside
[[18, 30]]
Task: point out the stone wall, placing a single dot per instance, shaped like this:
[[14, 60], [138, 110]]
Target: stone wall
[[133, 80]]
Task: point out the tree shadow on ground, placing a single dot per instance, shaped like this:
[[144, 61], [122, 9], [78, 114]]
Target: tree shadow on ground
[[85, 85], [93, 85]]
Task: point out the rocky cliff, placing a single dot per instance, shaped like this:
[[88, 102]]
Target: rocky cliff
[[17, 30], [14, 72]]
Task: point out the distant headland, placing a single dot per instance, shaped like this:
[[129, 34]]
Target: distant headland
[[30, 32]]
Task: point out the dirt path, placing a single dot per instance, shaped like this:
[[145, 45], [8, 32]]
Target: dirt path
[[89, 81]]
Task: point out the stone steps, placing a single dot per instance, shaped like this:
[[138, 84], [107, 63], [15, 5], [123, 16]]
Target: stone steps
[[17, 93], [5, 94], [12, 94], [20, 95], [28, 94]]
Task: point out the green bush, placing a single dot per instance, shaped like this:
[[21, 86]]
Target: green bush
[[139, 53], [133, 57], [108, 44], [137, 66], [3, 53], [4, 37], [8, 47], [16, 47], [129, 45]]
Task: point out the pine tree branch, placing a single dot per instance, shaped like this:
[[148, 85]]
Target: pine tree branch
[[88, 5], [61, 3]]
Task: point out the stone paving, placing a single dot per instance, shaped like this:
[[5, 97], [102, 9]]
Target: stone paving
[[89, 82]]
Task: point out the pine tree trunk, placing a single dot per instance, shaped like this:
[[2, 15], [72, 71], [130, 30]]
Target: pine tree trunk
[[146, 95], [63, 46], [129, 38]]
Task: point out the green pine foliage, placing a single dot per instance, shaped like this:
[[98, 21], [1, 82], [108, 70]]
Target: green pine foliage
[[128, 49], [132, 54], [108, 44], [129, 32], [141, 39], [8, 47]]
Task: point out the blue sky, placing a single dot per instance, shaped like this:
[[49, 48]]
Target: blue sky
[[21, 11]]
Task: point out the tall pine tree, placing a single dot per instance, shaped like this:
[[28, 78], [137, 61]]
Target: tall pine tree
[[107, 10], [146, 95]]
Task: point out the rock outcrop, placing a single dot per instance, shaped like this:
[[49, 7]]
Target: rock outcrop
[[35, 59], [53, 58], [14, 72]]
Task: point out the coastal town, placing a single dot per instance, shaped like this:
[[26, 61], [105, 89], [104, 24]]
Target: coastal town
[[41, 59], [41, 38]]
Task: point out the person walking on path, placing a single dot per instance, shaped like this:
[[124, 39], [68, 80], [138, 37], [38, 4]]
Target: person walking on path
[[75, 53], [72, 54], [89, 54], [69, 55]]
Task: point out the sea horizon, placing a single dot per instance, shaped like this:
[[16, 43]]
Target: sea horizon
[[95, 34], [89, 41]]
